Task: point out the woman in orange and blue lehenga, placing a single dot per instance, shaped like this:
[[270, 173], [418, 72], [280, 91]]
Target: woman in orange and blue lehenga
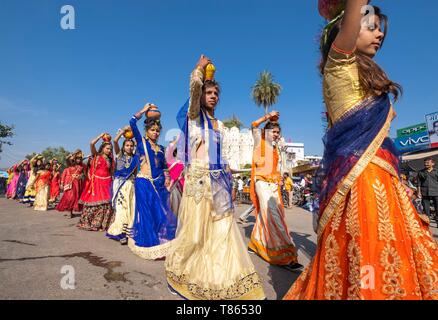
[[371, 243], [270, 238]]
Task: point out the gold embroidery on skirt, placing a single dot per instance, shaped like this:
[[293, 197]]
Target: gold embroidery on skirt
[[354, 258], [401, 193], [426, 274], [389, 257], [412, 225], [196, 185], [150, 253], [393, 282], [332, 279], [353, 250], [333, 285], [385, 227], [241, 287], [338, 216], [428, 277]]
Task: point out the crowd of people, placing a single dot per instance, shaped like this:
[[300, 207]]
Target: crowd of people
[[35, 182], [177, 204]]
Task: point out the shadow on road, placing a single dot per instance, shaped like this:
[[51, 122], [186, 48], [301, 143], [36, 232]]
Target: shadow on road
[[282, 280], [247, 228], [304, 243]]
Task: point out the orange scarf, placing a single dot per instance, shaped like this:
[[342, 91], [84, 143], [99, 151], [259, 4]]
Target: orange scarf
[[264, 167]]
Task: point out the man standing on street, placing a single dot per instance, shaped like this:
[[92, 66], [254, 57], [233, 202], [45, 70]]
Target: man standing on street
[[428, 186]]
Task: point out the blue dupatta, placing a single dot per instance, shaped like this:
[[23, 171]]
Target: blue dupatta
[[220, 177], [349, 146], [125, 174]]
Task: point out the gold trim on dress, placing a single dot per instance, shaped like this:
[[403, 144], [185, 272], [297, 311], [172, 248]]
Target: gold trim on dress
[[389, 257], [248, 287], [345, 185], [332, 279], [150, 253], [385, 227], [354, 252], [385, 165]]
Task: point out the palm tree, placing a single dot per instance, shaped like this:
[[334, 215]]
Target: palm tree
[[265, 92], [233, 122]]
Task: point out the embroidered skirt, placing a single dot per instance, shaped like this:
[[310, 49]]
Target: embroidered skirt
[[375, 247], [208, 259]]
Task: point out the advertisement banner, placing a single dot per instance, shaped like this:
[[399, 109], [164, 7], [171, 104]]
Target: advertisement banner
[[414, 142], [418, 128], [432, 126]]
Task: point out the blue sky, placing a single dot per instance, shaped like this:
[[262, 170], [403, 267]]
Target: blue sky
[[64, 87]]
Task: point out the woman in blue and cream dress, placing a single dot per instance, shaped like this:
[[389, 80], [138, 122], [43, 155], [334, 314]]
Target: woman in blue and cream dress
[[154, 223], [123, 200]]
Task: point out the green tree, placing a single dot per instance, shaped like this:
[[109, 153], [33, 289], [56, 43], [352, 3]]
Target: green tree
[[5, 132], [58, 153], [233, 122], [265, 92]]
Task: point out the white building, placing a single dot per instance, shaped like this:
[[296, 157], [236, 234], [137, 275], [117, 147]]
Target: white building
[[294, 152], [239, 146]]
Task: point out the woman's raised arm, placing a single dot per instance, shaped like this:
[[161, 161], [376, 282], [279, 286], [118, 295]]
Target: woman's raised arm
[[351, 25]]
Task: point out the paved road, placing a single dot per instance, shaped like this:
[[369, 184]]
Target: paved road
[[35, 246]]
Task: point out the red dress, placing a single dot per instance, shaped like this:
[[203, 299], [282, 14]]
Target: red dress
[[54, 186], [97, 213], [98, 185], [72, 181]]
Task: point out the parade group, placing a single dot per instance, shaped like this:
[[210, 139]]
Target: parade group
[[176, 203]]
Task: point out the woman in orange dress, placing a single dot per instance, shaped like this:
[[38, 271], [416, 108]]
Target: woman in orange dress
[[270, 238], [371, 243], [42, 188]]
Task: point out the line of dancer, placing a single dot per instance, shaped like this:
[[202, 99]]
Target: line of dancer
[[177, 204]]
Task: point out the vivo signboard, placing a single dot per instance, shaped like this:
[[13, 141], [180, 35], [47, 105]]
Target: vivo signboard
[[413, 142]]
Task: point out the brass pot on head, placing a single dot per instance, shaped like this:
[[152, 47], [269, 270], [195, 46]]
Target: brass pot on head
[[106, 137], [210, 70]]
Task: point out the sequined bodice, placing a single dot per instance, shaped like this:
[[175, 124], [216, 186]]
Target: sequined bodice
[[341, 85]]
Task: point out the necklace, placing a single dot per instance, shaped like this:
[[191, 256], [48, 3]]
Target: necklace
[[127, 161], [154, 146]]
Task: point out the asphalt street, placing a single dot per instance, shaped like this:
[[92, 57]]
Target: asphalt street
[[42, 252]]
